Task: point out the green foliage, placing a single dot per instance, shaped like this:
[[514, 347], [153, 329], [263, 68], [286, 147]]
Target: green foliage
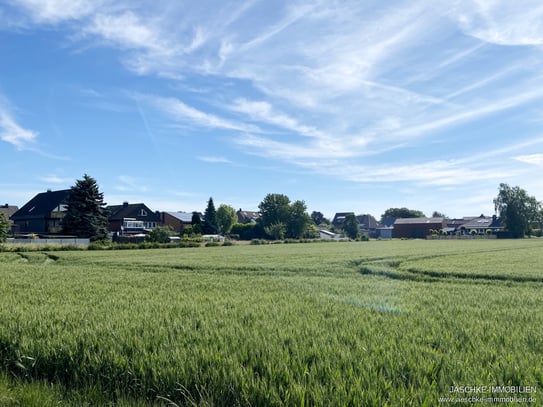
[[86, 215], [518, 211], [247, 231], [317, 217], [392, 323], [226, 218], [160, 234], [209, 225], [276, 231], [351, 226], [196, 223], [276, 210], [402, 213], [4, 228], [298, 220]]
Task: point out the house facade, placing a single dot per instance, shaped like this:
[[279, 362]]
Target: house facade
[[339, 218], [43, 214], [176, 220], [8, 211], [132, 218], [416, 228], [247, 216]]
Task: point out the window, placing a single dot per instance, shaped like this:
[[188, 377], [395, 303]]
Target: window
[[143, 212]]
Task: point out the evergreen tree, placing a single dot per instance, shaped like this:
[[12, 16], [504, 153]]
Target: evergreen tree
[[210, 218], [86, 215], [4, 228]]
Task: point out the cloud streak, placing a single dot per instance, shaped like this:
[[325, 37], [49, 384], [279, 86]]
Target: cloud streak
[[13, 133]]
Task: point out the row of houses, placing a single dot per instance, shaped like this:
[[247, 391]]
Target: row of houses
[[43, 214], [418, 228]]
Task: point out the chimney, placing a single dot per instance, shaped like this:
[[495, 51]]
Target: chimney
[[125, 203]]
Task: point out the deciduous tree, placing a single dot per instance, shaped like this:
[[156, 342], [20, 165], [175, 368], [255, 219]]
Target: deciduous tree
[[317, 217], [4, 228], [402, 213], [350, 226], [517, 210], [226, 218]]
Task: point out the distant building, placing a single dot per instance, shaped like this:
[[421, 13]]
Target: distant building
[[176, 220], [417, 228], [132, 218], [247, 216], [339, 218], [8, 211], [43, 214], [325, 234]]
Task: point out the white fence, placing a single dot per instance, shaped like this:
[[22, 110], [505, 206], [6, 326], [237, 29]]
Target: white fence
[[65, 241]]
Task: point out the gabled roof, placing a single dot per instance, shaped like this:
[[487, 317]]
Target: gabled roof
[[41, 205], [8, 210], [185, 217], [417, 221], [482, 222], [367, 221], [339, 217], [138, 210], [247, 216]]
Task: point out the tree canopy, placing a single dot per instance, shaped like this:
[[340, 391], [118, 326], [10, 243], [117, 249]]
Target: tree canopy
[[317, 217], [402, 213], [4, 228], [226, 218], [518, 211], [210, 218], [351, 226], [86, 215], [280, 218]]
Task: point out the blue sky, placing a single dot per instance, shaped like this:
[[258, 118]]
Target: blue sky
[[349, 105]]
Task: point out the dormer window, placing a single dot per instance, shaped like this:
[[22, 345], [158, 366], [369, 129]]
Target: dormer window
[[143, 212]]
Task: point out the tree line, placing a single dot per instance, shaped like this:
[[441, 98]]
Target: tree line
[[87, 216]]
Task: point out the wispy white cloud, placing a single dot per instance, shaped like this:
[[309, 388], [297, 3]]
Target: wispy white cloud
[[54, 11], [128, 30], [131, 184], [13, 133], [502, 22], [182, 112], [55, 179], [534, 159], [214, 160]]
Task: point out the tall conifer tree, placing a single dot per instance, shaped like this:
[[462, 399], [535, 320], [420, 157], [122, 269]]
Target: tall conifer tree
[[86, 215]]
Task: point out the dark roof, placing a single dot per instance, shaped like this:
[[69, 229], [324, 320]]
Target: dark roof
[[339, 217], [247, 216], [185, 217], [41, 205], [8, 210], [482, 222], [367, 221], [126, 210], [417, 221]]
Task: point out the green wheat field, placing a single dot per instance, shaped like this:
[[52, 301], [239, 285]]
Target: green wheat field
[[379, 323]]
